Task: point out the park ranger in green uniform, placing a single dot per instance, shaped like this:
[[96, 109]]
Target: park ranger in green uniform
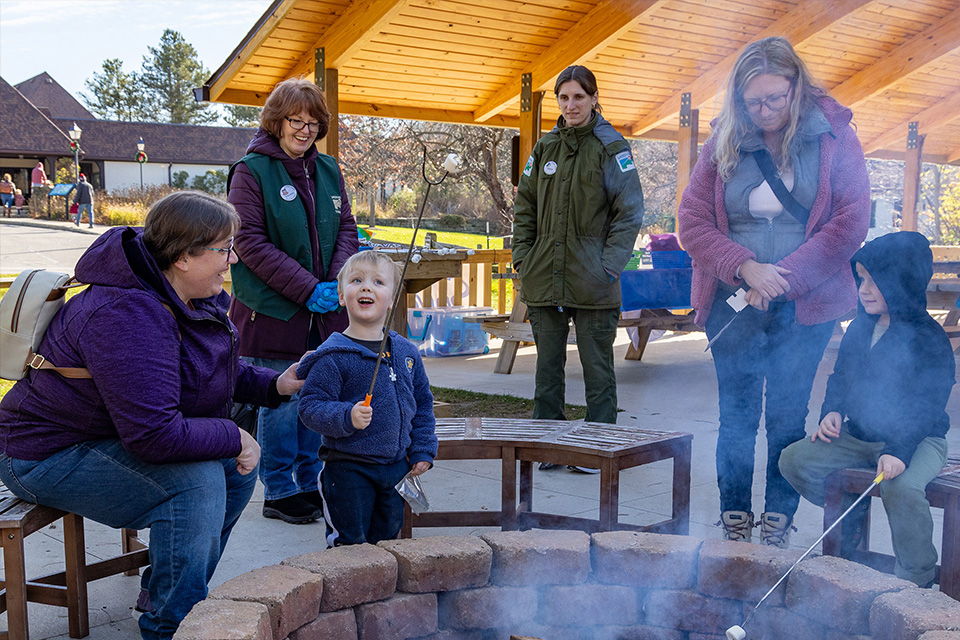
[[577, 214]]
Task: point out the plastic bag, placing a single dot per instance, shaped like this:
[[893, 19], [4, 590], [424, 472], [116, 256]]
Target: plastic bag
[[412, 491]]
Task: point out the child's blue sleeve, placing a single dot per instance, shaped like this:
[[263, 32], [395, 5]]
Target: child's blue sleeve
[[320, 408]]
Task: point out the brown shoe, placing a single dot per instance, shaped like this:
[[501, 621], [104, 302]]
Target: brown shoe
[[737, 525]]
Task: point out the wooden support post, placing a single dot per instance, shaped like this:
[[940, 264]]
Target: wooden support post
[[911, 177], [329, 82], [530, 102], [687, 139]]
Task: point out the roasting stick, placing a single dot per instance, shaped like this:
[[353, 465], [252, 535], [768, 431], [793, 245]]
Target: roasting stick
[[452, 163], [736, 632]]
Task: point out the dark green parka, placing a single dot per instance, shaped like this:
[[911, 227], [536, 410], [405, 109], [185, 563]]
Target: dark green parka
[[578, 210]]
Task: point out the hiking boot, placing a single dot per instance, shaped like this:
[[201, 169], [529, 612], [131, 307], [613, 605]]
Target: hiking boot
[[143, 605], [590, 470], [853, 529], [737, 525], [313, 497], [292, 509], [775, 529]]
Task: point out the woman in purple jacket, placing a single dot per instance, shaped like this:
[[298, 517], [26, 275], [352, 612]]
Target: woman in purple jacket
[[147, 442], [780, 245], [297, 232]]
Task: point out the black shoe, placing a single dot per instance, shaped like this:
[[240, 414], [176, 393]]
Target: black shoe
[[313, 497], [292, 509]]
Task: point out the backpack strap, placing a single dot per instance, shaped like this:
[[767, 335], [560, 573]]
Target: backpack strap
[[38, 362]]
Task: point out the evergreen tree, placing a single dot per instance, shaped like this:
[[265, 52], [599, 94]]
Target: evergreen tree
[[238, 115], [169, 74], [114, 94]]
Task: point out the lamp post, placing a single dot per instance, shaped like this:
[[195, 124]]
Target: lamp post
[[75, 147], [141, 158]]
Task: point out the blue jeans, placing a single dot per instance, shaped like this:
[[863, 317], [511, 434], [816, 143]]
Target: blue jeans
[[190, 509], [89, 210], [289, 452], [360, 501], [762, 347]]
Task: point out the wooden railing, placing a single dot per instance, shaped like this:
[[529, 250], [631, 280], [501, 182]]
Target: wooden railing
[[483, 273]]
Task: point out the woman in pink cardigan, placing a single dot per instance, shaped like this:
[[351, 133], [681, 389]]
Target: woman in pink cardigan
[[777, 204]]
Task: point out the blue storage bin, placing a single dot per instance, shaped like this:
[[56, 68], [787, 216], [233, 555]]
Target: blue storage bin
[[671, 259], [441, 331]]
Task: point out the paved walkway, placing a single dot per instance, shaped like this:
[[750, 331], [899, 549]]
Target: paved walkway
[[673, 388]]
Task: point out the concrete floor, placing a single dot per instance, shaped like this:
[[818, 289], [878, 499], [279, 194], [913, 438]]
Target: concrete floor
[[673, 388]]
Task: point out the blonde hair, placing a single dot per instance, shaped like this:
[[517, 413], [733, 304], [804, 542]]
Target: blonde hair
[[375, 258], [773, 56]]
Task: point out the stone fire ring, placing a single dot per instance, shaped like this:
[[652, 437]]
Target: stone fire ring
[[566, 585]]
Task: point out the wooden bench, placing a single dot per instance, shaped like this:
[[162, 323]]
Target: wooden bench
[[943, 493], [68, 588], [609, 447]]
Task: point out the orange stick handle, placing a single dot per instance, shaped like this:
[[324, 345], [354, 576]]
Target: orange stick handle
[[366, 401]]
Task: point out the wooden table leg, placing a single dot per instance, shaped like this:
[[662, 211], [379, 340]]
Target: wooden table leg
[[526, 487], [15, 582], [75, 562], [508, 350], [508, 489], [609, 493], [832, 509], [406, 531], [681, 488]]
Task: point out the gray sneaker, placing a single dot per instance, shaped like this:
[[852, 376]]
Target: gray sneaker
[[775, 529], [737, 525]]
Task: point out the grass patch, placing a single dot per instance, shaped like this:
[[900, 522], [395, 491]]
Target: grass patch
[[401, 235], [466, 404]]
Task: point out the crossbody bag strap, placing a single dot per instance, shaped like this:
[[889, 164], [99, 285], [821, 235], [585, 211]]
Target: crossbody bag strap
[[770, 174]]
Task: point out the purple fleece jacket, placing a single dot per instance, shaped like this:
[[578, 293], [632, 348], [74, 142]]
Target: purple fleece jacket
[[162, 383], [260, 335], [820, 280]]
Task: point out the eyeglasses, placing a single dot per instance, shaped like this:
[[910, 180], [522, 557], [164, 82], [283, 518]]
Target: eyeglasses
[[773, 103], [223, 252], [298, 124]]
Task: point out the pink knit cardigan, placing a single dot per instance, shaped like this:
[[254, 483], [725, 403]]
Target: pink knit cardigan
[[821, 281]]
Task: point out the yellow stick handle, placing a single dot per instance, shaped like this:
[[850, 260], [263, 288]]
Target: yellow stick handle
[[879, 478]]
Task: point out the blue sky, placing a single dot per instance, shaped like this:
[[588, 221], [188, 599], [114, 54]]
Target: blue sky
[[70, 39]]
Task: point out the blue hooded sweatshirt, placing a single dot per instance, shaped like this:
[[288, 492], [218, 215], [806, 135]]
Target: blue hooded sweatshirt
[[896, 391], [337, 376]]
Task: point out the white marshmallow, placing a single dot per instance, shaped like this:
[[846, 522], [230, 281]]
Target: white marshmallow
[[415, 258], [452, 163], [736, 632]]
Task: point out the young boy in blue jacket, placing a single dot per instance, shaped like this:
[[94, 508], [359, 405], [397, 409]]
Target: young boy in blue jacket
[[885, 405], [367, 450]]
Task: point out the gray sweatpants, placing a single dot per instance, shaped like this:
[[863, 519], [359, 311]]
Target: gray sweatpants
[[806, 466]]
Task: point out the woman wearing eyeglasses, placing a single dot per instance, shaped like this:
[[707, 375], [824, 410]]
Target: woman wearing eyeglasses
[[777, 204], [296, 233], [143, 438]]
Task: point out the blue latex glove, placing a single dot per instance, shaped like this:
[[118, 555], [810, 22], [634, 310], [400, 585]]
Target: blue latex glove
[[324, 298]]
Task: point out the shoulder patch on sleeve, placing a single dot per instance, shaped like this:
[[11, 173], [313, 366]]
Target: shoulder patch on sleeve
[[527, 170], [625, 161]]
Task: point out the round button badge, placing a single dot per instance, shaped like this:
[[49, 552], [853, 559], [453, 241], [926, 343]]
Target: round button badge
[[550, 168], [287, 192]]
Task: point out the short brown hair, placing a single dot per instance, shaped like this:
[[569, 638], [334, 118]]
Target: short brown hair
[[291, 97], [185, 222], [369, 256]]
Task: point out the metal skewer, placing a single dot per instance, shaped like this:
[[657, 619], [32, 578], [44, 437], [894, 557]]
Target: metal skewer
[[736, 632], [450, 164]]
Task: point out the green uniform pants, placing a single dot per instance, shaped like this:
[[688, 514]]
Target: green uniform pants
[[806, 466], [596, 330]]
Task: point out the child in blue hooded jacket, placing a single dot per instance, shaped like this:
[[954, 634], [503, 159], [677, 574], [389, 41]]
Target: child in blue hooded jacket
[[367, 450], [885, 404]]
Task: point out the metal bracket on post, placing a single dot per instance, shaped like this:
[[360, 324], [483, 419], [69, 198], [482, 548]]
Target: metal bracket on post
[[685, 109], [526, 90], [912, 138], [319, 69]]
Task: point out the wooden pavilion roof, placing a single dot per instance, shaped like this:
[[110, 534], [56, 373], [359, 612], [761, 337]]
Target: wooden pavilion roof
[[461, 61]]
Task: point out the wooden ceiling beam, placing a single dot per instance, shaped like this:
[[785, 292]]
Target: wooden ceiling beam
[[801, 23], [954, 156], [937, 40], [242, 54], [242, 97], [930, 118], [601, 26], [427, 115], [357, 26]]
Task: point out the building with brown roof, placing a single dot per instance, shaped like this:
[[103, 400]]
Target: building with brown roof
[[36, 115]]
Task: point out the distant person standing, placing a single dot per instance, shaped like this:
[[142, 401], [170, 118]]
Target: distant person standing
[[38, 177], [7, 191], [84, 199], [578, 210]]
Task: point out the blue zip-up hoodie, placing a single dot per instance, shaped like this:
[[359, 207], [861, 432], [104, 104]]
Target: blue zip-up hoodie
[[895, 392], [163, 381], [337, 376]]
